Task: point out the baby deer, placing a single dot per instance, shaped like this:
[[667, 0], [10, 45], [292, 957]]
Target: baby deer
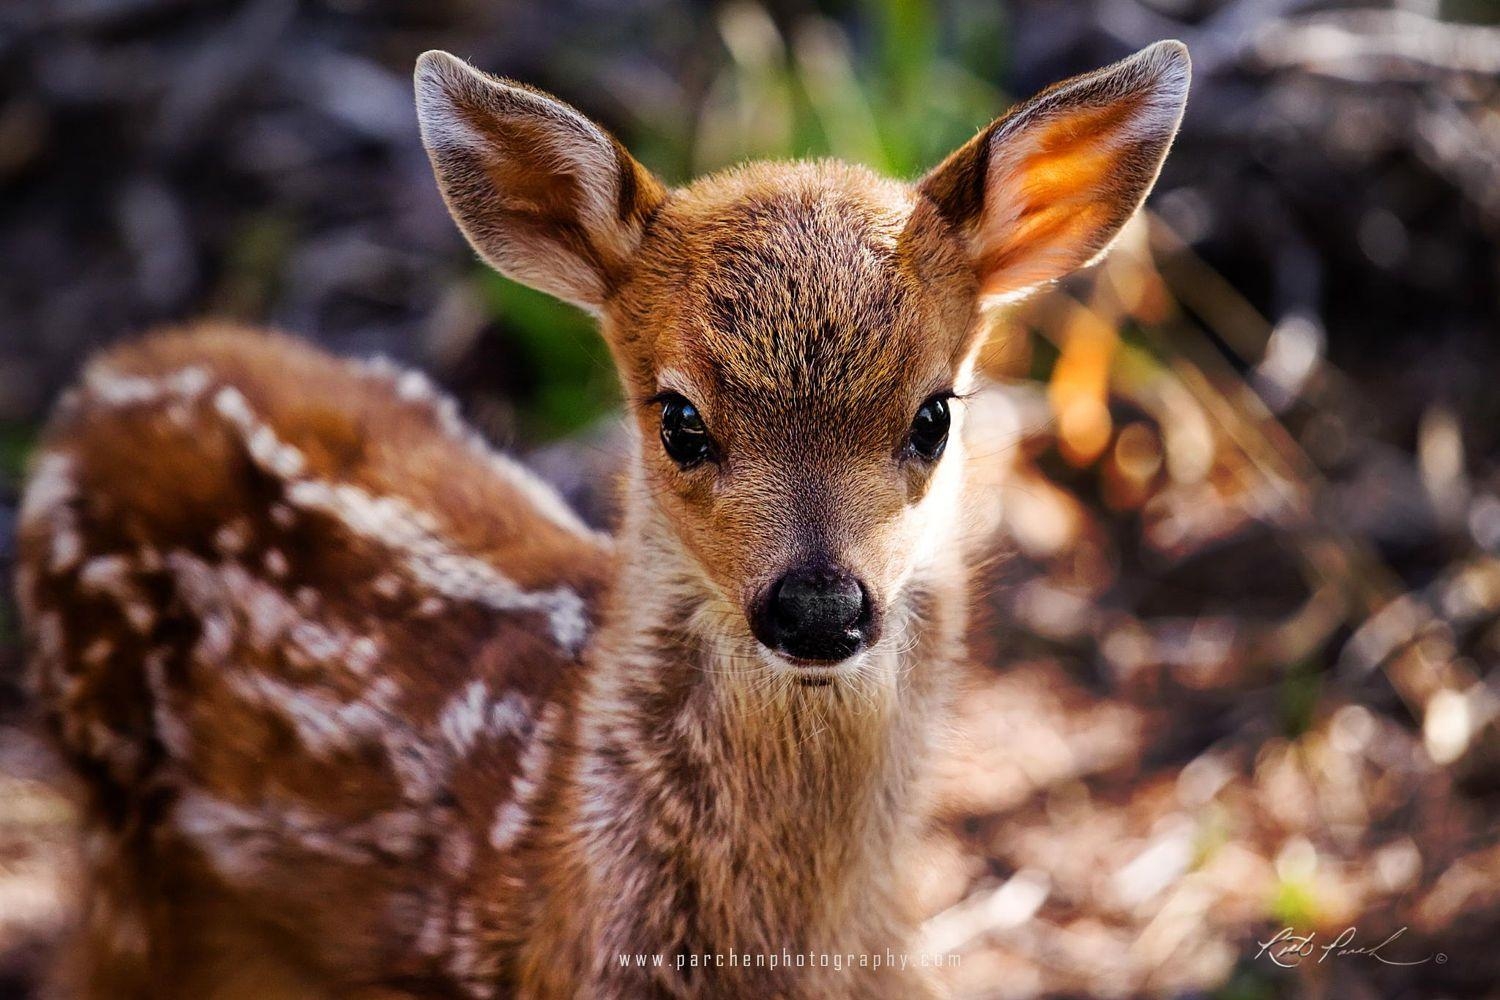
[[362, 710]]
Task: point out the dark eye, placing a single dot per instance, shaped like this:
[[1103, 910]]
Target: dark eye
[[929, 429], [683, 433]]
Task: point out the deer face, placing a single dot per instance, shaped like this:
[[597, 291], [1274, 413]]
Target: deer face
[[795, 340]]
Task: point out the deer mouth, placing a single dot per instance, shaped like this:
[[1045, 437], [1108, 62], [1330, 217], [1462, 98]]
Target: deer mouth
[[811, 673]]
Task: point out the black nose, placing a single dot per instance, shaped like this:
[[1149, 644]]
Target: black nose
[[815, 612]]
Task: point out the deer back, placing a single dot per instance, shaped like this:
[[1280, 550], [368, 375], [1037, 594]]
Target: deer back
[[297, 627]]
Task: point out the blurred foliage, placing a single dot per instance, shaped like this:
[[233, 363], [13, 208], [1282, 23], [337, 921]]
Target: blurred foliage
[[1295, 904], [1249, 984], [910, 87], [16, 439], [574, 380], [1301, 689]]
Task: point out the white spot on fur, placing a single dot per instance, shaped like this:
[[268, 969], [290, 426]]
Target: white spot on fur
[[50, 646], [113, 576], [171, 732], [265, 448], [432, 939], [52, 486], [276, 564], [510, 820], [462, 720], [311, 644], [232, 538], [118, 390], [362, 655], [511, 716], [514, 814], [48, 502], [67, 548], [471, 717], [396, 524], [98, 652], [215, 637], [307, 600]]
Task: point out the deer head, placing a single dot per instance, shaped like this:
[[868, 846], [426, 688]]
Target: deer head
[[795, 340]]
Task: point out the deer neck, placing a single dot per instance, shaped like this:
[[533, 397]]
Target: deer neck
[[776, 809]]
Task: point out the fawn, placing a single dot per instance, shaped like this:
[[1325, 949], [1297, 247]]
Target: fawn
[[361, 709]]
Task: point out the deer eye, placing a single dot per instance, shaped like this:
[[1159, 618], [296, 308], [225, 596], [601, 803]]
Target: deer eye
[[682, 432], [929, 429]]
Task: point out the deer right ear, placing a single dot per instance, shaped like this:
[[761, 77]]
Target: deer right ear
[[1046, 189], [543, 194]]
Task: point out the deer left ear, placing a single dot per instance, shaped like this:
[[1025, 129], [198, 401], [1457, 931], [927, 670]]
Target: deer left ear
[[544, 194], [1046, 189]]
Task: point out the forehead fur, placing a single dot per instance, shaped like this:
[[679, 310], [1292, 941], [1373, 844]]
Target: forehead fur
[[793, 279]]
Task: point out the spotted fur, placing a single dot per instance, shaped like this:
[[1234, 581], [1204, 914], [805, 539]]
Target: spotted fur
[[364, 711]]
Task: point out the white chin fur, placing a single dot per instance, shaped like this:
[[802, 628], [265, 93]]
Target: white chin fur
[[832, 672]]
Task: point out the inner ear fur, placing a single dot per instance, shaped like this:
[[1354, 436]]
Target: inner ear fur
[[1046, 188], [542, 193]]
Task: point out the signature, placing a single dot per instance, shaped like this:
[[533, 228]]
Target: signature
[[1289, 949]]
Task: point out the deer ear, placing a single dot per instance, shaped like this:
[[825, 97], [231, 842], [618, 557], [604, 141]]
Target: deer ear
[[543, 194], [1045, 189]]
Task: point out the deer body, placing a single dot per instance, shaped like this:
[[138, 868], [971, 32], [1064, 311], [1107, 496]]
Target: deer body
[[362, 710]]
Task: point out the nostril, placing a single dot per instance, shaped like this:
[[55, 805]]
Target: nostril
[[817, 613]]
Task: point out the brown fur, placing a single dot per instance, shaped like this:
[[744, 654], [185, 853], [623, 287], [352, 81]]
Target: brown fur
[[364, 712]]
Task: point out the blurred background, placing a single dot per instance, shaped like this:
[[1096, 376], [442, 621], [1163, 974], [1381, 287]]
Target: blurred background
[[1237, 664]]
